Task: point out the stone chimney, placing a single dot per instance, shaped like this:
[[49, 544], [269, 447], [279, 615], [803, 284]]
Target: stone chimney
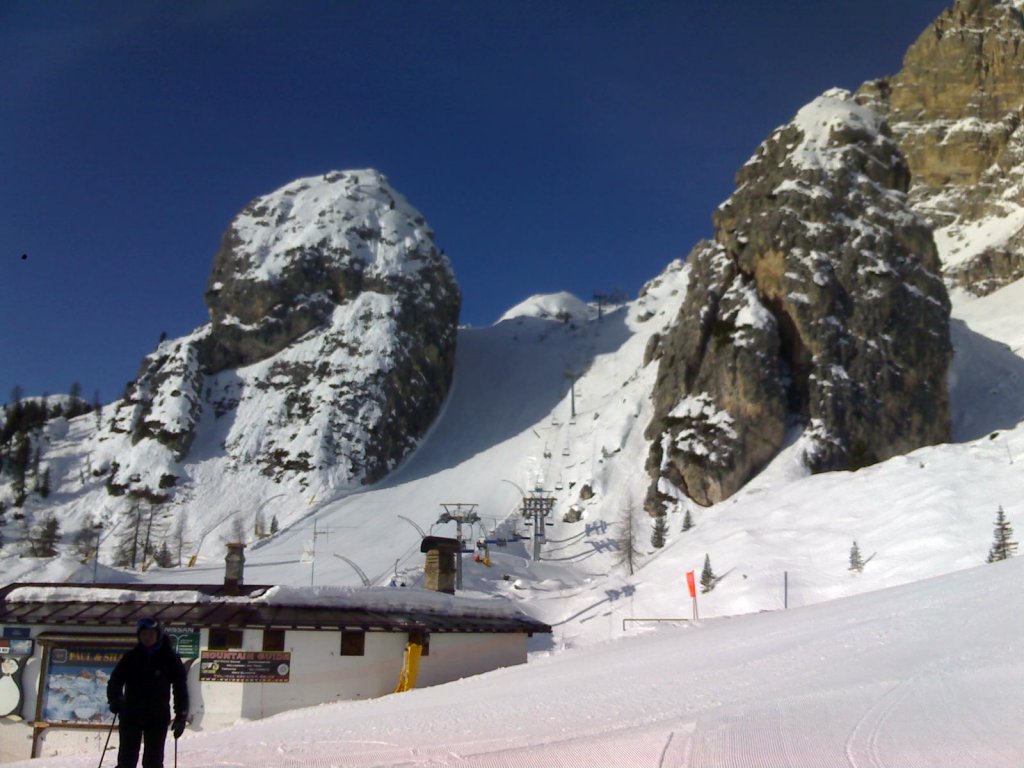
[[234, 565], [439, 571]]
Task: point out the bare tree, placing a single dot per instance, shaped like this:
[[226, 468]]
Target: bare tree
[[628, 553]]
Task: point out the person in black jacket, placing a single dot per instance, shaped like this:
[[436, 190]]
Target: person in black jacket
[[139, 691]]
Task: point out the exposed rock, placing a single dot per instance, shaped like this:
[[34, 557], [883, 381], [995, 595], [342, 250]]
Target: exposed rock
[[330, 348], [955, 110], [819, 299]]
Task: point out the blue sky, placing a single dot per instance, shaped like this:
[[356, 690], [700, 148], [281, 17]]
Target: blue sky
[[552, 145]]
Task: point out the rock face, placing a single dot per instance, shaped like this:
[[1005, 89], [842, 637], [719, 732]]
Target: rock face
[[330, 347], [956, 111], [819, 300]]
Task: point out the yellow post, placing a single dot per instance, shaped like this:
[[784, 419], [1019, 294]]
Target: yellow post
[[410, 667]]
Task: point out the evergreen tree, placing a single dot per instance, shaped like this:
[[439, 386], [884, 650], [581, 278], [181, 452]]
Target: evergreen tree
[[687, 521], [163, 556], [42, 540], [43, 483], [707, 576], [274, 527], [85, 539], [97, 408], [1003, 545], [659, 531], [856, 561]]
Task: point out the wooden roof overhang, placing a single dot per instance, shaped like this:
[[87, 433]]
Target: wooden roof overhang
[[245, 610]]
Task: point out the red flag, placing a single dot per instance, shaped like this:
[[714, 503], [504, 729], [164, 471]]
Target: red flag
[[690, 583]]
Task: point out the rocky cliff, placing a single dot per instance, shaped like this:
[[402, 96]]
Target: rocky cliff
[[955, 109], [818, 301], [329, 351]]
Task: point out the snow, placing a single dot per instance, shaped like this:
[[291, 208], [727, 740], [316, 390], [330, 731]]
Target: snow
[[924, 676], [834, 109], [277, 225], [913, 662]]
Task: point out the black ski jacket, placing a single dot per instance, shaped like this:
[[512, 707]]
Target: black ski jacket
[[142, 682]]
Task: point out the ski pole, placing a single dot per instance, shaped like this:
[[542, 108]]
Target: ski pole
[[175, 752], [107, 743]]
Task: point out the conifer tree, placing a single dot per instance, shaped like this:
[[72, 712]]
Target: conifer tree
[[1003, 545], [42, 540], [659, 531], [687, 521], [274, 527], [707, 576], [163, 556], [856, 561]]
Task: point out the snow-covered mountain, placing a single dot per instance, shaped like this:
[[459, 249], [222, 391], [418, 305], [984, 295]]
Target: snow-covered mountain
[[555, 398]]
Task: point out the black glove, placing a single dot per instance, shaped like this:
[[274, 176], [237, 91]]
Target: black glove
[[115, 705], [178, 726]]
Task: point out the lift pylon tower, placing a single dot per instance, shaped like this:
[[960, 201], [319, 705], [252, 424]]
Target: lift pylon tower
[[538, 506]]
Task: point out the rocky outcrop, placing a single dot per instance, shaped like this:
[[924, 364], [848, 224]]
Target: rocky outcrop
[[819, 300], [330, 347], [956, 112]]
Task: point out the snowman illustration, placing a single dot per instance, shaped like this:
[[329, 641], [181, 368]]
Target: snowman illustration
[[10, 694]]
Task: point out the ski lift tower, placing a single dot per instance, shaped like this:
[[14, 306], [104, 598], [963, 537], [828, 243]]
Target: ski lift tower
[[538, 506], [459, 514]]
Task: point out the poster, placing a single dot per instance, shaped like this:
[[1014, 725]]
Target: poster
[[185, 642], [76, 683], [245, 666], [14, 652]]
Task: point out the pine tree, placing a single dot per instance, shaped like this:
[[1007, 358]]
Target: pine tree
[[687, 521], [274, 527], [43, 484], [659, 531], [1002, 545], [707, 576], [42, 540], [163, 556], [856, 561]]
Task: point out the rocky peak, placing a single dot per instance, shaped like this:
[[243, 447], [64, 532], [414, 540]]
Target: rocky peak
[[818, 301], [955, 110], [329, 351]]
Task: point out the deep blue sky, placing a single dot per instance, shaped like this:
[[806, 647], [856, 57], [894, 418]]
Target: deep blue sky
[[551, 145]]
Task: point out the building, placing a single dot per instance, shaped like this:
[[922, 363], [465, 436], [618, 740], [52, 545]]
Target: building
[[251, 651]]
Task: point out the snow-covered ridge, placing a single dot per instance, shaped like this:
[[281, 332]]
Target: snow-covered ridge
[[379, 227], [558, 306], [832, 111]]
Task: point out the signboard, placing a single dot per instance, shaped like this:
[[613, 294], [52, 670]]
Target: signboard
[[690, 583], [13, 653], [245, 666], [185, 642], [76, 683]]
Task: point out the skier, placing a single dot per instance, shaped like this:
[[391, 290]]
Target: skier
[[139, 691]]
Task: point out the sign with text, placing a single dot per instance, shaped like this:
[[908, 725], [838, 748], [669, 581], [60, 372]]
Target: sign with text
[[245, 666]]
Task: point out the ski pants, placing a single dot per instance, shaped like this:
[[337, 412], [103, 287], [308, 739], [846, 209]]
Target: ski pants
[[132, 736]]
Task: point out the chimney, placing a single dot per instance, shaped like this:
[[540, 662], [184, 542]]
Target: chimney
[[234, 565], [439, 571]]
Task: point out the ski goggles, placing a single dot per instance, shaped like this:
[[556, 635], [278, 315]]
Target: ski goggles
[[142, 624]]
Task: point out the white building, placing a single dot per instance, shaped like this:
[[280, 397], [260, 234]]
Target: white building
[[251, 651]]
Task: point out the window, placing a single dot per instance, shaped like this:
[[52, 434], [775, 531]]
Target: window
[[273, 639], [353, 642], [222, 639]]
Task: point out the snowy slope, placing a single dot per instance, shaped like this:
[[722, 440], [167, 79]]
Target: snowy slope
[[923, 676]]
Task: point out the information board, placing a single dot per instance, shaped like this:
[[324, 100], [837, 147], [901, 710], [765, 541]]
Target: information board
[[245, 666]]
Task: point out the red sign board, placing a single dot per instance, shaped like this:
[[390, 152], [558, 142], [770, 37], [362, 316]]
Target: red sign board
[[690, 583]]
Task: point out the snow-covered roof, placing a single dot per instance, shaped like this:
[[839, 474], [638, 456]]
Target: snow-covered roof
[[381, 608]]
